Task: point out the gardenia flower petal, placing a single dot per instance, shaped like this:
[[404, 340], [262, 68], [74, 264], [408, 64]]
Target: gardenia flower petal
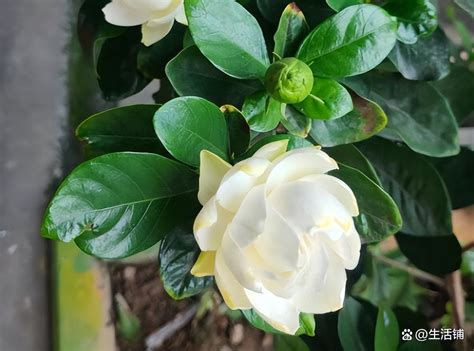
[[119, 13], [298, 164], [278, 312], [210, 225], [154, 32], [281, 230], [232, 292], [151, 5], [211, 172]]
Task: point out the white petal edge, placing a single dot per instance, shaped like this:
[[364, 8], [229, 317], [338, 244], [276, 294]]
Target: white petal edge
[[211, 172], [272, 150], [280, 313], [120, 14], [232, 292], [153, 32]]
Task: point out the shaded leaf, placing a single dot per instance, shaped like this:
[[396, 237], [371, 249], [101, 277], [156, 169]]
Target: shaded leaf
[[307, 324], [262, 112], [295, 122], [188, 125], [126, 128], [236, 46], [291, 31], [387, 332], [191, 74], [239, 130]]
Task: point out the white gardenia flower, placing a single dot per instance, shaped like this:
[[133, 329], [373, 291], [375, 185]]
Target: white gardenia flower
[[156, 16], [277, 232]]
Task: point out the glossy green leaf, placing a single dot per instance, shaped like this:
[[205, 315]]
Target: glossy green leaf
[[350, 156], [338, 5], [458, 89], [291, 31], [239, 130], [119, 204], [379, 216], [415, 186], [365, 120], [383, 284], [356, 325], [352, 42], [427, 59], [417, 113], [387, 332], [466, 5], [328, 100], [188, 125], [128, 128], [437, 255], [289, 343], [295, 122], [151, 60], [416, 18], [178, 253], [191, 74], [233, 42], [307, 324], [262, 112], [458, 175]]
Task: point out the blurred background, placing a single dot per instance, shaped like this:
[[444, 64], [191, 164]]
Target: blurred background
[[51, 295]]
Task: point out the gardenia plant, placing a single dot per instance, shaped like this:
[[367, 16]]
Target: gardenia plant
[[287, 141]]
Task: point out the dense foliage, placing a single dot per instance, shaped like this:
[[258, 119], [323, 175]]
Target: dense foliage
[[379, 86]]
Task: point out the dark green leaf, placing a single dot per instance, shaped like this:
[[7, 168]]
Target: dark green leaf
[[328, 100], [239, 130], [466, 5], [352, 42], [152, 59], [188, 125], [295, 122], [439, 255], [291, 31], [458, 89], [414, 345], [387, 332], [119, 204], [307, 324], [232, 40], [365, 120], [338, 5], [458, 175], [191, 74], [350, 156], [415, 18], [427, 59], [356, 325], [127, 128], [413, 321], [417, 113], [178, 253], [326, 338], [262, 112], [289, 343], [415, 186], [379, 216]]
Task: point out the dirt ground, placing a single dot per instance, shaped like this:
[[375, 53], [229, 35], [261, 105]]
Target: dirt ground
[[211, 330]]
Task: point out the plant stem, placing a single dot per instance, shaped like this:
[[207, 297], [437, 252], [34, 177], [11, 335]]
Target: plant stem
[[417, 273]]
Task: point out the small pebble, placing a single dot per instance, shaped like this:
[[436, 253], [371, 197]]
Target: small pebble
[[129, 272]]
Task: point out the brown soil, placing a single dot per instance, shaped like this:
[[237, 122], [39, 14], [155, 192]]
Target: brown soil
[[214, 331]]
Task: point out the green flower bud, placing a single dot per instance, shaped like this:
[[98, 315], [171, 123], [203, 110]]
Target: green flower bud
[[289, 80]]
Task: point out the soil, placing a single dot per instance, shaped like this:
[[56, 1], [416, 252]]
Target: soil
[[215, 330]]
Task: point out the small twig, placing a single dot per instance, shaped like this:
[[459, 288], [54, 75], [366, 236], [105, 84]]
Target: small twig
[[468, 247], [456, 295], [157, 338], [417, 273]]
